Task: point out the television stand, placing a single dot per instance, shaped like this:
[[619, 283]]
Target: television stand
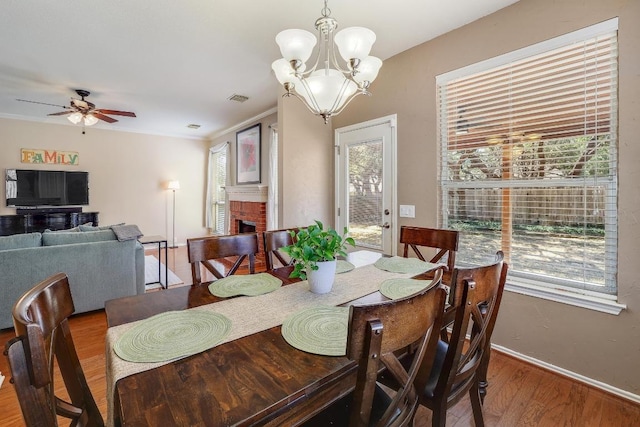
[[41, 219]]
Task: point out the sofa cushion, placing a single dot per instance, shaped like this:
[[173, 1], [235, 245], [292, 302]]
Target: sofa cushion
[[52, 239], [19, 241]]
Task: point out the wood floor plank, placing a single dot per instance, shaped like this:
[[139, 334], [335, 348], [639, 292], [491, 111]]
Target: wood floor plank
[[519, 394]]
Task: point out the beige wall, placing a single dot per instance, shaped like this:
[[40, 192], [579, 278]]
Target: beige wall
[[265, 141], [127, 173], [306, 159], [600, 346]]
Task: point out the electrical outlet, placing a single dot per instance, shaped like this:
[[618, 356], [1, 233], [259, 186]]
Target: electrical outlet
[[407, 211]]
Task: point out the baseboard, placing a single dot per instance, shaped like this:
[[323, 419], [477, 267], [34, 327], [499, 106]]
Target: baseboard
[[570, 374]]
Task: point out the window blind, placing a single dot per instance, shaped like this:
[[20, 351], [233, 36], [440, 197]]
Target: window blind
[[528, 160]]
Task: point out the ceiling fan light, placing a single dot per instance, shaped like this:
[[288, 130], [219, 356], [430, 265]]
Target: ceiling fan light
[[296, 44], [75, 118], [355, 42], [90, 120]]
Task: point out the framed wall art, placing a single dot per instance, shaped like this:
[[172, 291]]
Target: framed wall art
[[248, 155]]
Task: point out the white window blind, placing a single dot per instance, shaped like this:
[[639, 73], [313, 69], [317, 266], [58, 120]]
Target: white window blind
[[528, 160], [216, 195]]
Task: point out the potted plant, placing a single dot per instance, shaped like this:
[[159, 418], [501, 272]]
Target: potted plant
[[315, 250]]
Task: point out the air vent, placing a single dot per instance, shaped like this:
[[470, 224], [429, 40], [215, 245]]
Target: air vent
[[238, 98], [193, 126]]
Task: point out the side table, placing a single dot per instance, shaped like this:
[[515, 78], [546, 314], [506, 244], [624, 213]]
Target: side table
[[160, 241]]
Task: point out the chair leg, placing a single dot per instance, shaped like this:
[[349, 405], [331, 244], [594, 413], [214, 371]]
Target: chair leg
[[481, 375], [476, 405], [439, 416]]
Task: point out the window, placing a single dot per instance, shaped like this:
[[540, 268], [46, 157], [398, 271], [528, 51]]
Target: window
[[216, 195], [528, 161]]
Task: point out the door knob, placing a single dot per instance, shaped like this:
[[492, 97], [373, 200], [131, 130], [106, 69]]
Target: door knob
[[385, 225]]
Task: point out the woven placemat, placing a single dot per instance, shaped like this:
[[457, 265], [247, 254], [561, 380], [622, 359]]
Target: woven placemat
[[398, 264], [247, 284], [400, 288], [318, 330], [172, 335], [343, 266]]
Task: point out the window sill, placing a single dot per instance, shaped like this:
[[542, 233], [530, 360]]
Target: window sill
[[558, 295]]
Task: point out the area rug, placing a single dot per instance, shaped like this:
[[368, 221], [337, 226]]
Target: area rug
[[151, 274]]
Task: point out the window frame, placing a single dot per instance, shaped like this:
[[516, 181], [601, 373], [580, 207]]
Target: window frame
[[521, 282]]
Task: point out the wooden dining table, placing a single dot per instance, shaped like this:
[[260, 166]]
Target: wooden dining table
[[258, 379]]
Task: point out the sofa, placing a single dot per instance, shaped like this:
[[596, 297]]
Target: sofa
[[99, 266]]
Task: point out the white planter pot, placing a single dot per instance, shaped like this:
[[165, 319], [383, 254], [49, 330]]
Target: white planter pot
[[321, 280]]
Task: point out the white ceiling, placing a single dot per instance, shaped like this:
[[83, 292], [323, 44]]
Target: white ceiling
[[174, 63]]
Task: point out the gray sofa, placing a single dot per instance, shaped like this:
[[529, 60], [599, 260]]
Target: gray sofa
[[99, 267]]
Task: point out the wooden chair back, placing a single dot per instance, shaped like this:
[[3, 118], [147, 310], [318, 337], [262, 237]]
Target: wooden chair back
[[377, 333], [273, 241], [462, 364], [204, 250], [445, 242], [43, 341]]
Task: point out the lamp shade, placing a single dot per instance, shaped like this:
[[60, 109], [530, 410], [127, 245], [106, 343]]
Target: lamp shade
[[328, 88], [75, 118], [173, 185], [355, 42], [90, 120], [283, 71], [368, 69], [296, 44]]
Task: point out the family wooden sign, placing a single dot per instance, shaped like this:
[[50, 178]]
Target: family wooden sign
[[28, 155]]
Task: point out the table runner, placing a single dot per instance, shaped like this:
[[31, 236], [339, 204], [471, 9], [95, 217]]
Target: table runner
[[267, 311]]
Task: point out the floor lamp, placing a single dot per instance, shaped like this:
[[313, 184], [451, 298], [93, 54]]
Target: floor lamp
[[173, 186]]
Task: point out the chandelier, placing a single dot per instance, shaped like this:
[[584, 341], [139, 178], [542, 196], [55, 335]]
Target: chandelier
[[326, 87]]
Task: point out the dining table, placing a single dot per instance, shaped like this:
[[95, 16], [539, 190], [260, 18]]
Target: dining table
[[253, 376]]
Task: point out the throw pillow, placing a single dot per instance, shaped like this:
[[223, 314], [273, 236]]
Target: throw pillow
[[126, 232]]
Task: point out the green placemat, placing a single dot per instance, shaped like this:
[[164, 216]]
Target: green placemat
[[318, 330], [247, 284], [171, 335], [343, 266], [398, 264], [399, 288]]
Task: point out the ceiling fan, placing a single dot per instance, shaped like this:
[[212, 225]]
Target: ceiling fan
[[84, 111]]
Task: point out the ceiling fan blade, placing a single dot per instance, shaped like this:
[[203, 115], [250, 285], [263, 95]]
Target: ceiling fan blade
[[117, 113], [61, 113], [42, 103], [99, 115]]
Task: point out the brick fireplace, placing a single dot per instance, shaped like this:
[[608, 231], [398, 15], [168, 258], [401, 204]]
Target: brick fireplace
[[248, 212]]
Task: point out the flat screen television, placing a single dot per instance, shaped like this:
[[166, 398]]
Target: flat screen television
[[26, 188]]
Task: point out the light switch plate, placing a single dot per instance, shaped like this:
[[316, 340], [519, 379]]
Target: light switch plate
[[407, 211]]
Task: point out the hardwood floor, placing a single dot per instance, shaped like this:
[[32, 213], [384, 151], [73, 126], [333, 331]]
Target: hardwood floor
[[519, 394]]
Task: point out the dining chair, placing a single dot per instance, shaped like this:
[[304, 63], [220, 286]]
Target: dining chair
[[376, 332], [460, 365], [273, 241], [445, 242], [205, 250], [42, 343]]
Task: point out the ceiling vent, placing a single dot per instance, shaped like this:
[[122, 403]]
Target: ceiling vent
[[238, 98], [193, 126]]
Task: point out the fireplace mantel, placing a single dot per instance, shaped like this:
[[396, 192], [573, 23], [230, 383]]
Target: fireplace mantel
[[247, 193]]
